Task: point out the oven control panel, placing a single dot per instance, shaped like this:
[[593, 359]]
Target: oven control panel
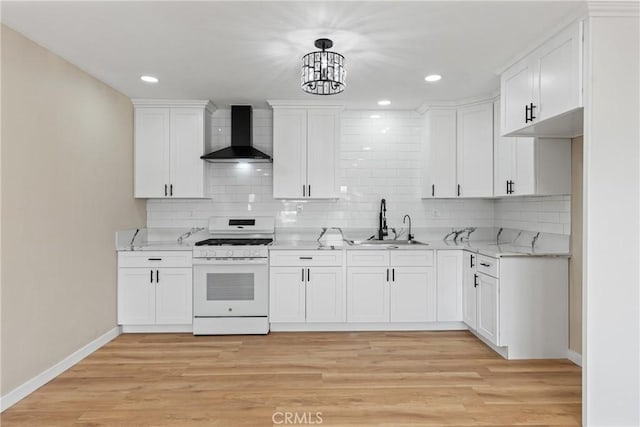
[[229, 252]]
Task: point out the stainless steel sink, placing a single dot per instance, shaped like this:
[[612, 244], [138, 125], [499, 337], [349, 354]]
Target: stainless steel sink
[[388, 243]]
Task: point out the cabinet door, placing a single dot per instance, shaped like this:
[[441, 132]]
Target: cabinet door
[[488, 308], [524, 159], [516, 92], [469, 299], [412, 294], [289, 153], [439, 147], [286, 294], [187, 145], [475, 151], [449, 282], [323, 133], [368, 294], [136, 296], [503, 155], [152, 151], [174, 301], [325, 294], [559, 76]]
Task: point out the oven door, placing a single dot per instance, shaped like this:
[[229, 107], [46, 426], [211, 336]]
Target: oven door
[[230, 288]]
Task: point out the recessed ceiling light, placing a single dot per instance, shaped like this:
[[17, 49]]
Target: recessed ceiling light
[[374, 116], [149, 79], [384, 102], [433, 77]]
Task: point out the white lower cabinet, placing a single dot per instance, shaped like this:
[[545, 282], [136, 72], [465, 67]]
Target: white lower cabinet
[[367, 294], [286, 294], [403, 290], [488, 308], [155, 296], [305, 292], [449, 284], [324, 295], [469, 293], [412, 295]]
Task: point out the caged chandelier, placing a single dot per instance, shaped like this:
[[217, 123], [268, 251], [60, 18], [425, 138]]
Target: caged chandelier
[[323, 72]]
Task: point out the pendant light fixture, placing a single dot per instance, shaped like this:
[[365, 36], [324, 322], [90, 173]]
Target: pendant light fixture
[[323, 72]]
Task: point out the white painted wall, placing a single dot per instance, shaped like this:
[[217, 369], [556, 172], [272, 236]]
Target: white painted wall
[[379, 157], [611, 349]]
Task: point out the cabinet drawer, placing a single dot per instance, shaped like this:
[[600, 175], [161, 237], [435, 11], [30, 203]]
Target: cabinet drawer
[[368, 258], [488, 265], [155, 259], [305, 258], [412, 258]]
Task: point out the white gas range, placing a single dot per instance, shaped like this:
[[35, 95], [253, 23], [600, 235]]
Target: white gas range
[[231, 277]]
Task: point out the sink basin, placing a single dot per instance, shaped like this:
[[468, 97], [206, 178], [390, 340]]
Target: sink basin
[[388, 243]]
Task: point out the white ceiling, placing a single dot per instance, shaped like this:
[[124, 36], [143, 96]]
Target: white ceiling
[[247, 52]]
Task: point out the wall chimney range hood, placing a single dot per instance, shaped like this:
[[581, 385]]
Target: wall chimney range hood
[[241, 149]]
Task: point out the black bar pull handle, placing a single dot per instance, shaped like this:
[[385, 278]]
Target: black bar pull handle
[[471, 264], [393, 274], [526, 114], [171, 189], [458, 189], [154, 259], [531, 108], [165, 190], [157, 276], [387, 274], [308, 274], [305, 257], [484, 264], [433, 190], [309, 192], [304, 191], [151, 276], [303, 274], [475, 280]]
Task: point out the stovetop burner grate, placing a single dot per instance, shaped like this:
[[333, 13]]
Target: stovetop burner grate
[[234, 242]]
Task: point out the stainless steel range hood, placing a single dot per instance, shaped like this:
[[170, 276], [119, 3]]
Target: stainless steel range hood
[[241, 149]]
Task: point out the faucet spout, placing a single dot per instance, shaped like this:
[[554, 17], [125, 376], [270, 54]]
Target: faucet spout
[[409, 235]]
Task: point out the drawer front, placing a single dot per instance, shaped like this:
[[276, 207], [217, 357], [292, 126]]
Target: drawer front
[[155, 259], [375, 258], [412, 258], [488, 265], [305, 258]]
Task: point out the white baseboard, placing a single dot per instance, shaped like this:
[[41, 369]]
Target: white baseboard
[[156, 329], [574, 357], [362, 327], [25, 389]]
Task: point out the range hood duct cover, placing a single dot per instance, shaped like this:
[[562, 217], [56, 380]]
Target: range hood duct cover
[[241, 149]]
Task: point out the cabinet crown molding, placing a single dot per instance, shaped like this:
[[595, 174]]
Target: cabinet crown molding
[[613, 8], [467, 102], [279, 103], [196, 103]]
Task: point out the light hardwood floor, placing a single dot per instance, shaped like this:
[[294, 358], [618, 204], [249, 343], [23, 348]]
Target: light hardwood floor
[[353, 379]]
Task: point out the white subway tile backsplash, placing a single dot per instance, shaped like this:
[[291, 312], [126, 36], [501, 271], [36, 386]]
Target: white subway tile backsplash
[[379, 158]]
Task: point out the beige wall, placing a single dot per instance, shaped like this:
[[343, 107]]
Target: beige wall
[[67, 186], [575, 264]]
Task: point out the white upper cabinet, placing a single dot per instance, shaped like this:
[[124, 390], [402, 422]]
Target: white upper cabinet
[[542, 93], [458, 152], [169, 138], [475, 151], [305, 150], [439, 142], [531, 166]]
